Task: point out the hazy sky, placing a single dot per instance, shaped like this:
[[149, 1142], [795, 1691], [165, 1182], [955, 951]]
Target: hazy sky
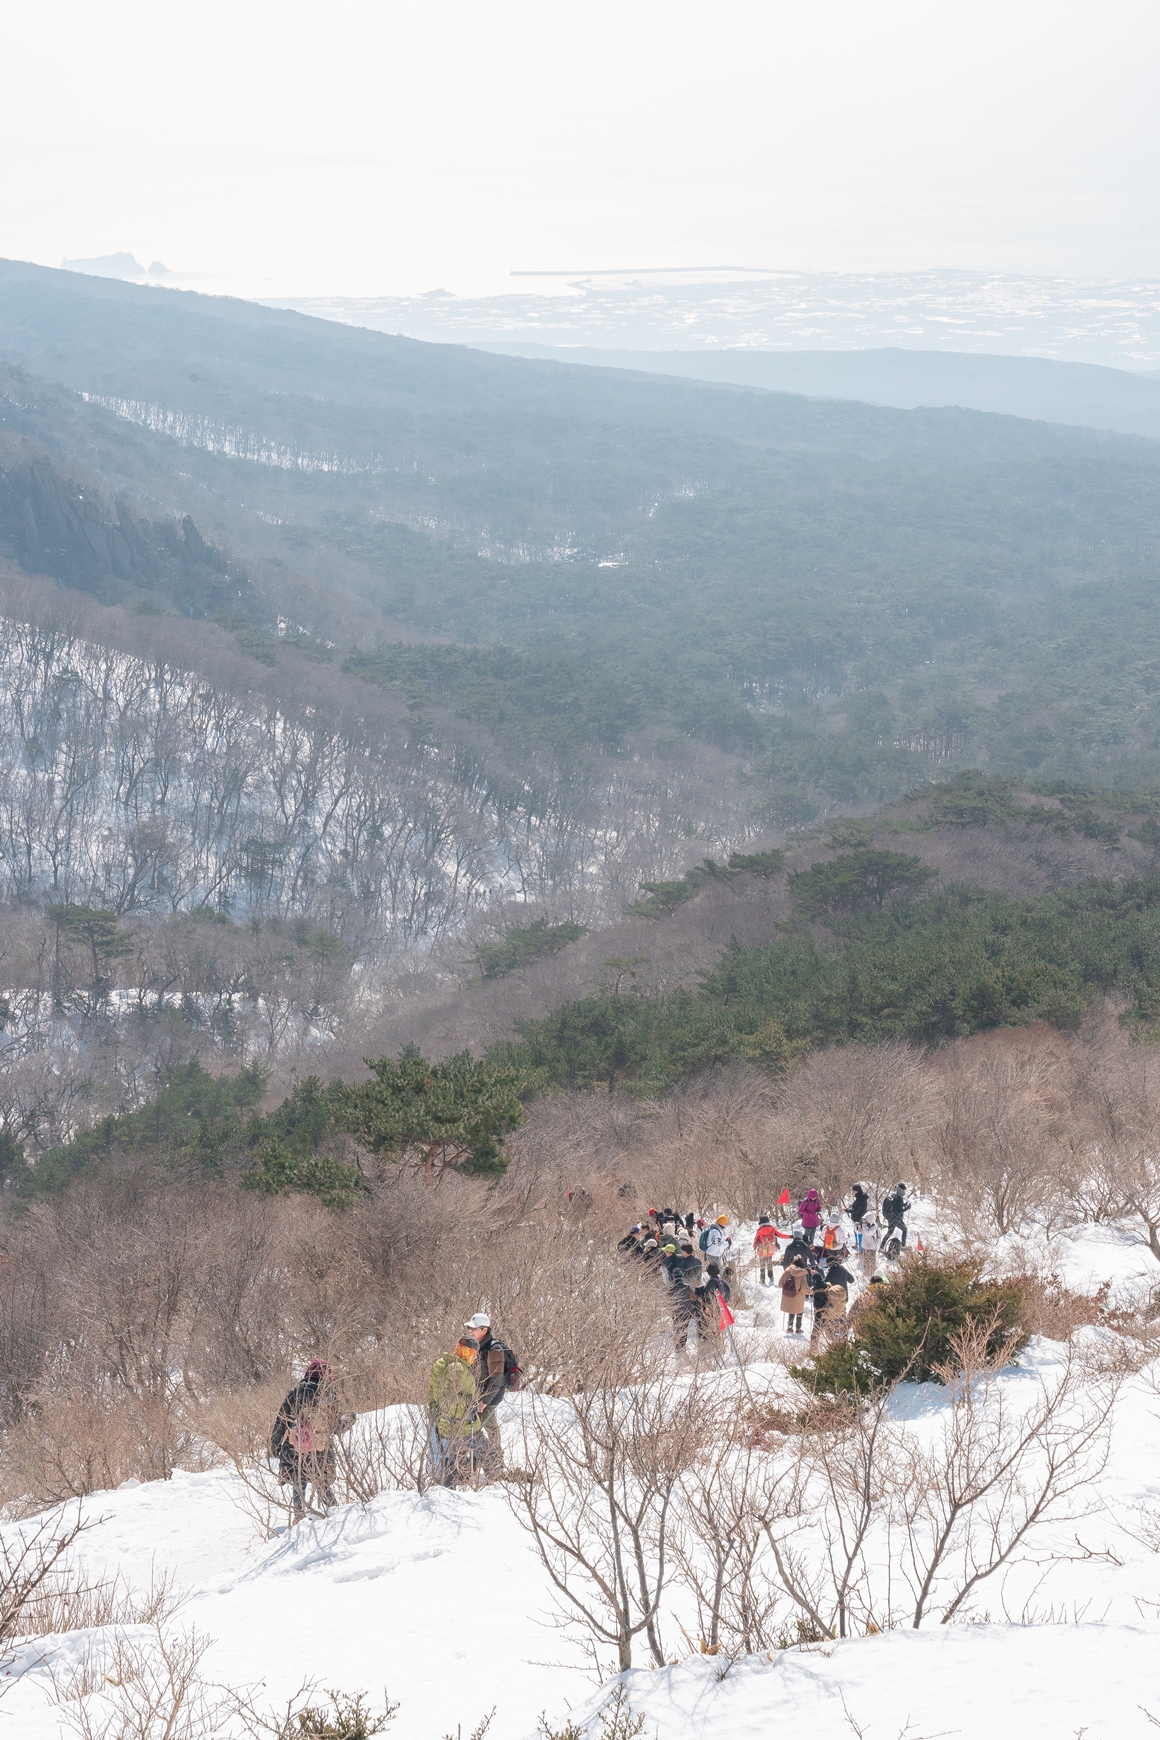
[[372, 148]]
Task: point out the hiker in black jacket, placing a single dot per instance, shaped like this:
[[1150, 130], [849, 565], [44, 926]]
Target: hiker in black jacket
[[686, 1270], [497, 1371], [858, 1205], [837, 1275], [684, 1281], [708, 1310], [669, 1259], [797, 1247], [894, 1207], [303, 1437]]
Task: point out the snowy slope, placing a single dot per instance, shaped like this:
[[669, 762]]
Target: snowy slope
[[440, 1600]]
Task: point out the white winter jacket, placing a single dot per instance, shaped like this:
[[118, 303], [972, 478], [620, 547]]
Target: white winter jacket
[[716, 1245]]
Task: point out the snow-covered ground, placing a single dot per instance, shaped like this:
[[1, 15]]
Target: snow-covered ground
[[439, 1602]]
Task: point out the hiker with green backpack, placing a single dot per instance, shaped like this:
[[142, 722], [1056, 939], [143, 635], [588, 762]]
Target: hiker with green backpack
[[465, 1389], [451, 1409]]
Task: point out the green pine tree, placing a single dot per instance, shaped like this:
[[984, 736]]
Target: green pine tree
[[452, 1115]]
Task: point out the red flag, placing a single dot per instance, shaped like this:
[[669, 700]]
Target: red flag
[[726, 1315], [920, 1247], [783, 1199]]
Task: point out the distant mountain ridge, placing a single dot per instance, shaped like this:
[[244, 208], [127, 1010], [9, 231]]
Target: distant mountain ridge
[[842, 595], [1087, 395]]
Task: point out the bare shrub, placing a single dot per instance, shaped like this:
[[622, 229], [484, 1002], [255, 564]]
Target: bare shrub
[[385, 1452], [73, 1442], [855, 1112], [865, 1524], [30, 1566], [843, 1462], [237, 1425], [729, 1493], [139, 1683], [1117, 1097], [995, 1473], [998, 1140], [602, 1468], [343, 1717], [66, 1603]]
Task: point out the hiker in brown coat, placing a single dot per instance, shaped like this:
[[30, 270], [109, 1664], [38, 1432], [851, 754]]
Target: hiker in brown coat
[[829, 1310], [793, 1286]]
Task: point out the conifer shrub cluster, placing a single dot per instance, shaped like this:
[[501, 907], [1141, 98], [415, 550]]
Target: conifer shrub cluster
[[907, 1329]]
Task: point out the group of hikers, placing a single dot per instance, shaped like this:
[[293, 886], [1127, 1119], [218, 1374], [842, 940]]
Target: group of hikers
[[464, 1392], [695, 1260], [697, 1264]]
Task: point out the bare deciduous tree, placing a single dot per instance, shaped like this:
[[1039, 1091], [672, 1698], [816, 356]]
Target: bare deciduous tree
[[603, 1466]]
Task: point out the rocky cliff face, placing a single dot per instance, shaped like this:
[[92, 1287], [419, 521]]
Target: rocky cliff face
[[54, 523]]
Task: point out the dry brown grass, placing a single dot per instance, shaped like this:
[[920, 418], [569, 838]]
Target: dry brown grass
[[158, 1323]]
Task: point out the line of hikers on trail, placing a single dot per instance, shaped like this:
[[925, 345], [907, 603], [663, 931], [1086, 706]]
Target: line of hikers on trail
[[697, 1264], [813, 1265]]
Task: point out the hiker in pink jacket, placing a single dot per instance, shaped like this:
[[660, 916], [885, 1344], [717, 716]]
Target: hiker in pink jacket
[[810, 1209]]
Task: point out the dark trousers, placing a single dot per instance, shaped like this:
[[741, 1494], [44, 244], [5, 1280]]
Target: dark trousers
[[895, 1226], [315, 1471]]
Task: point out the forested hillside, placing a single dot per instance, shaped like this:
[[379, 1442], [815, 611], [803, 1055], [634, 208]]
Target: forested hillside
[[359, 692], [846, 596]]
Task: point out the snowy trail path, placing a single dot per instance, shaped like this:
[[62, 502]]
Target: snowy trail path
[[440, 1600]]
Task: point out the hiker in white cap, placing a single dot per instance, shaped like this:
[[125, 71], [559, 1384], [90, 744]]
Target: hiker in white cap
[[497, 1370]]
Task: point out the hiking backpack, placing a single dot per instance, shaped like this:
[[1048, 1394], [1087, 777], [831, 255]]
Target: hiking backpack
[[501, 1358]]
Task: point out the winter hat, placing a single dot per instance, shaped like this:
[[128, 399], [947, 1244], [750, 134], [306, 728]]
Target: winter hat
[[714, 1268], [466, 1349], [763, 1217], [636, 1228], [318, 1368], [722, 1220], [481, 1320]]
